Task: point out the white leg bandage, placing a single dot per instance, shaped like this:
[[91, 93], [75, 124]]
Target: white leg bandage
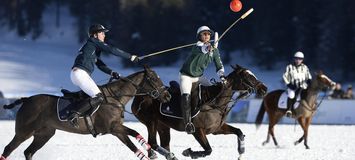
[[83, 80]]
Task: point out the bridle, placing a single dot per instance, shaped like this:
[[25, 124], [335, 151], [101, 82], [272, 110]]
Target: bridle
[[156, 92], [251, 87]]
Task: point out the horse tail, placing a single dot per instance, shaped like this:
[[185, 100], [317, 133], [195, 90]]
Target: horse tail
[[14, 104], [260, 116]]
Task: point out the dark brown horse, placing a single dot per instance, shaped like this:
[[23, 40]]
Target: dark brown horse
[[211, 119], [303, 113], [37, 116]]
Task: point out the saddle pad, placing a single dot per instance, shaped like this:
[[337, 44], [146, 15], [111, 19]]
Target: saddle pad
[[64, 107], [283, 101], [174, 111]]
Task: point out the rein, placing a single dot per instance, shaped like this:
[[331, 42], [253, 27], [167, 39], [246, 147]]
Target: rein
[[318, 105], [244, 94], [155, 93]]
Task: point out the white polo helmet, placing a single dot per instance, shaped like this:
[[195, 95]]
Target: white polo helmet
[[299, 54], [203, 28]]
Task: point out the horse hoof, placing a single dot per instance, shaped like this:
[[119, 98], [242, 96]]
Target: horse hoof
[[307, 147], [264, 143], [187, 152], [296, 142], [171, 156], [152, 154]]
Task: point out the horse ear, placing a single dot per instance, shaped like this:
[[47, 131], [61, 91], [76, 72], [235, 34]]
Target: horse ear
[[233, 67], [320, 72], [238, 66]]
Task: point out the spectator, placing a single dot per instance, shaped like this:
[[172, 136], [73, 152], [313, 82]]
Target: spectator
[[337, 92], [349, 93]]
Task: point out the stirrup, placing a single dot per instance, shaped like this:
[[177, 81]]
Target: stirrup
[[190, 128], [289, 113]]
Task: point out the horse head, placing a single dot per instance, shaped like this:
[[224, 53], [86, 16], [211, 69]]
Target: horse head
[[243, 79], [322, 82], [153, 86]]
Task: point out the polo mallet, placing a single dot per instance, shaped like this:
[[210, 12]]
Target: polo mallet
[[191, 44]]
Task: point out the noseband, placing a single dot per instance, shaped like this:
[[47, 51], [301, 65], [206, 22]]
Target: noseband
[[250, 86], [156, 92]]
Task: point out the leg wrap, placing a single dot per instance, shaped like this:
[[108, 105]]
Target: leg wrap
[[2, 158], [241, 144], [141, 155], [143, 143]]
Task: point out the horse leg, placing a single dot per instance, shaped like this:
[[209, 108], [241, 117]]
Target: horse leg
[[164, 149], [122, 132], [228, 129], [302, 123], [272, 122], [41, 137], [152, 131], [308, 122], [15, 142], [201, 138]]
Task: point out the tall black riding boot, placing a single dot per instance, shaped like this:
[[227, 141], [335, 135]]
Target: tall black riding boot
[[83, 107], [290, 103], [186, 113]]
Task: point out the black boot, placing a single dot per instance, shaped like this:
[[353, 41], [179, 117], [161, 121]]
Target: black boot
[[83, 107], [186, 113], [289, 107]]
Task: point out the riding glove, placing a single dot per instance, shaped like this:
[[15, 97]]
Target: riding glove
[[223, 79], [134, 58]]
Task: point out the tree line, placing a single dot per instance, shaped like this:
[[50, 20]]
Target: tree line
[[323, 29]]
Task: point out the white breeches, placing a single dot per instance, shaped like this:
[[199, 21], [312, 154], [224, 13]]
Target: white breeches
[[186, 83], [83, 80], [290, 93]]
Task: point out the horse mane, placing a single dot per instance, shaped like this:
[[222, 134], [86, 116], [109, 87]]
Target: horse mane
[[208, 93], [122, 79]]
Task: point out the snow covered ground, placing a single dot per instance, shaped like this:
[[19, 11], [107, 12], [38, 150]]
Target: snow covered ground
[[326, 143]]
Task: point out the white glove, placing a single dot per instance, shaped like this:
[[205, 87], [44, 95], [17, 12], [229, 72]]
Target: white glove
[[134, 58], [223, 79]]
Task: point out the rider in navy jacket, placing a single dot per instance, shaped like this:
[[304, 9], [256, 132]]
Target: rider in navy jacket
[[88, 57]]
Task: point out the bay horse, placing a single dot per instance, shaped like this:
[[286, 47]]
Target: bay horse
[[211, 119], [37, 116], [303, 113]]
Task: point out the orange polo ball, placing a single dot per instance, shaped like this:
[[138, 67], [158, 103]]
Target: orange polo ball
[[235, 5]]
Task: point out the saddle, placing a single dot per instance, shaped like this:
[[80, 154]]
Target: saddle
[[79, 95], [66, 103], [282, 103], [173, 107]]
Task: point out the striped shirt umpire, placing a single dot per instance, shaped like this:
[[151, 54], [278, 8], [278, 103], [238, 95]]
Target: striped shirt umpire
[[297, 75]]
